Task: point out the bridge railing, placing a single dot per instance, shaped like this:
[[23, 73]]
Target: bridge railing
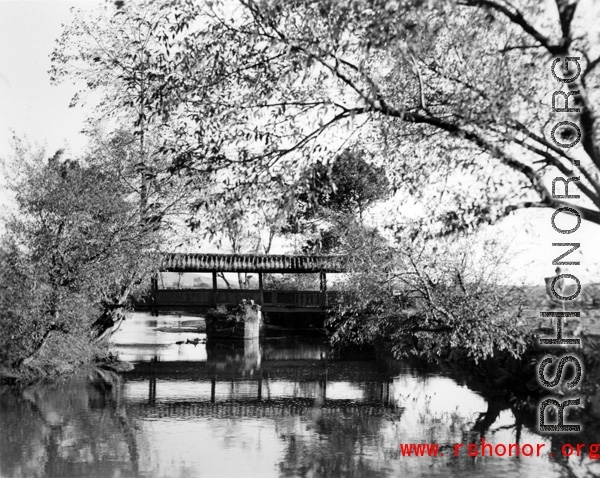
[[207, 297], [184, 296]]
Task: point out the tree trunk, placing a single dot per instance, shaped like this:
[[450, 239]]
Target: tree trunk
[[112, 315], [222, 276], [26, 361], [108, 323]]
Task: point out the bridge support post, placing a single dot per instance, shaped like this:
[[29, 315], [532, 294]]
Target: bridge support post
[[253, 320], [260, 385], [260, 289], [323, 277], [214, 281], [154, 288]]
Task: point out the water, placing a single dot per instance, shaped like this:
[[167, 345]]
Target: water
[[274, 409]]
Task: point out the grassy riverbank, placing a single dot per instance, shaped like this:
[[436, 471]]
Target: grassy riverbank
[[62, 355]]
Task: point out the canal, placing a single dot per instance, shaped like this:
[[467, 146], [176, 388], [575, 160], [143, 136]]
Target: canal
[[278, 408]]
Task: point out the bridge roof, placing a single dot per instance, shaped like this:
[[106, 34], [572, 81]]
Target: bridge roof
[[265, 408], [196, 262]]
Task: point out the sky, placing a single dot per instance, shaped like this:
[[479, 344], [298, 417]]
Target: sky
[[29, 105], [32, 107]]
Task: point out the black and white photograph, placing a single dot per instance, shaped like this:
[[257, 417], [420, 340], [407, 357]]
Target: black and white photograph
[[299, 238]]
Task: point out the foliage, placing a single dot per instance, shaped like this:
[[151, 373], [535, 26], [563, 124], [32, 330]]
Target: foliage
[[345, 235], [454, 95], [121, 54], [296, 281], [349, 185], [144, 173], [430, 300], [452, 98], [112, 54], [329, 211], [23, 320], [73, 256]]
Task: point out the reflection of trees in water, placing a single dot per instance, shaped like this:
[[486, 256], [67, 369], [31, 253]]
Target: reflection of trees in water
[[512, 385], [333, 445], [288, 348], [82, 428], [69, 427]]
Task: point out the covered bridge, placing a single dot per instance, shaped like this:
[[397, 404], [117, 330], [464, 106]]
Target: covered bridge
[[255, 263]]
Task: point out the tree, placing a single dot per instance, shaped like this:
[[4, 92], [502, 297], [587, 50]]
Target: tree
[[329, 208], [348, 185], [428, 300], [445, 90], [163, 197], [113, 54], [77, 250]]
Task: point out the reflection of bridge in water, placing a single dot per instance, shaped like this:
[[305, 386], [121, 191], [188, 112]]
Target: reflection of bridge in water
[[274, 409], [275, 389], [271, 300], [271, 378]]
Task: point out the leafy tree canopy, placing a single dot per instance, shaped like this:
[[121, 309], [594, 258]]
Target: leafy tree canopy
[[73, 256], [329, 211], [349, 185], [455, 96], [446, 299]]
